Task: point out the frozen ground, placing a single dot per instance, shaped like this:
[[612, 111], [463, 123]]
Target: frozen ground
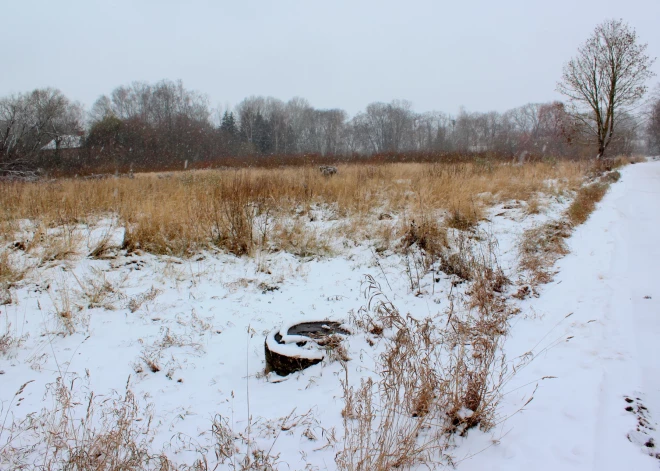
[[203, 322], [606, 351]]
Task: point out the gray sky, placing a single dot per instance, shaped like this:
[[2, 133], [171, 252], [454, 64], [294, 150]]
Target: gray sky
[[481, 54]]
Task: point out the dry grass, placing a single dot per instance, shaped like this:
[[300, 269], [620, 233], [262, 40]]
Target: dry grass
[[464, 219], [239, 210], [585, 202], [427, 234], [81, 434], [542, 246], [9, 272], [96, 291], [103, 248], [68, 317], [434, 379], [533, 206], [136, 302], [10, 339], [53, 245], [78, 430]]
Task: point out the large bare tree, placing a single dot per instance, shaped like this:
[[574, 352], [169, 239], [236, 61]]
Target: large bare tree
[[606, 80]]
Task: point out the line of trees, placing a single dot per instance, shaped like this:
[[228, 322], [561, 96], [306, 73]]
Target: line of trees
[[653, 125], [164, 125]]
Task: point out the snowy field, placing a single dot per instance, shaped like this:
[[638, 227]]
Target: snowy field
[[186, 336]]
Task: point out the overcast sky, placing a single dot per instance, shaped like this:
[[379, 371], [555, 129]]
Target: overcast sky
[[481, 54]]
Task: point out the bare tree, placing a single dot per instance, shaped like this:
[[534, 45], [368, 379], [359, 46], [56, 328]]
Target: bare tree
[[29, 121], [556, 130], [247, 112], [606, 79], [150, 123], [386, 127]]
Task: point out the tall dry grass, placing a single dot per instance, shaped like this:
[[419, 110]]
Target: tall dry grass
[[434, 379], [79, 430], [241, 210]]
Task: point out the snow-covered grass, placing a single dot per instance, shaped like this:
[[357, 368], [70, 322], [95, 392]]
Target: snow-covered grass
[[135, 358], [297, 210], [543, 245]]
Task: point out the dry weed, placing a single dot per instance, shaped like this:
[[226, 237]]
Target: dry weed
[[611, 177], [153, 354], [96, 291], [9, 272], [335, 350], [238, 209], [85, 434], [540, 247], [136, 302], [464, 219], [82, 431], [59, 244], [104, 248], [585, 202], [533, 206], [431, 382], [68, 316], [300, 240], [427, 234], [5, 296], [10, 340]]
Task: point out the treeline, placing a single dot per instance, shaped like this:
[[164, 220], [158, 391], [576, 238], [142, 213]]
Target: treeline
[[162, 126]]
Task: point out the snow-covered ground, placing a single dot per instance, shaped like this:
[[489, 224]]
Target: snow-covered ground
[[203, 322], [606, 351]]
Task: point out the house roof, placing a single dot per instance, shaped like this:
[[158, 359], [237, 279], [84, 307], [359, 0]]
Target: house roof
[[69, 141]]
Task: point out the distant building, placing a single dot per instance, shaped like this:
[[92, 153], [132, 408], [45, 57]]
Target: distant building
[[478, 148], [69, 141]]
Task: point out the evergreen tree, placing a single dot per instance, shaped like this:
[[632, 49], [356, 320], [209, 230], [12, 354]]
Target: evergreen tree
[[229, 123], [262, 135]]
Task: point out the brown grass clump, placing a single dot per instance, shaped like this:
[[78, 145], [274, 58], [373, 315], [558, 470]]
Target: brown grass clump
[[136, 302], [611, 177], [10, 339], [609, 164], [432, 381], [238, 210], [9, 273], [541, 246], [427, 234], [103, 248], [110, 434], [533, 206], [57, 245], [334, 348], [69, 318], [463, 219], [585, 202], [96, 291], [299, 240]]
